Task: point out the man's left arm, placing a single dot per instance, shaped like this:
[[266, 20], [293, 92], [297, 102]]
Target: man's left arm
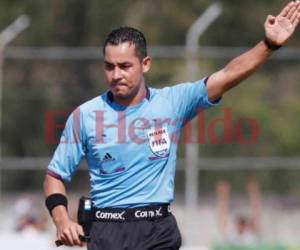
[[277, 31]]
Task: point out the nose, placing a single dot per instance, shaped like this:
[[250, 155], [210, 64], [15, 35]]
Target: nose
[[116, 74]]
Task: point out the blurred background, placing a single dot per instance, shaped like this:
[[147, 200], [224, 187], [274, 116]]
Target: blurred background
[[237, 186]]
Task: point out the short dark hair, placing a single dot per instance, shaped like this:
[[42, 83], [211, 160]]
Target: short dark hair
[[128, 34]]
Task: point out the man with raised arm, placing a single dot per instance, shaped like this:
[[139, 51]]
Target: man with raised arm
[[128, 135]]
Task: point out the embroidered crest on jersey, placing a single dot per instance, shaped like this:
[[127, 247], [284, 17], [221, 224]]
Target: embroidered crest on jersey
[[159, 141]]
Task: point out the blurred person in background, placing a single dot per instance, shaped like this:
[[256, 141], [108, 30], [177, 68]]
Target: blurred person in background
[[131, 148], [30, 225], [241, 229], [28, 216]]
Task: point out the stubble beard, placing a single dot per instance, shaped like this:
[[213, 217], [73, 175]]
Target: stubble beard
[[127, 95]]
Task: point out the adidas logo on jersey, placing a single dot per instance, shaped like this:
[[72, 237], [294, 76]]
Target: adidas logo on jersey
[[108, 157]]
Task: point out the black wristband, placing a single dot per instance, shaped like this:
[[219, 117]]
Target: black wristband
[[54, 200], [271, 45]]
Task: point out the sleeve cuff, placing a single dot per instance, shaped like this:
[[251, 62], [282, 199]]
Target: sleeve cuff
[[54, 175], [57, 176], [210, 102], [214, 102]]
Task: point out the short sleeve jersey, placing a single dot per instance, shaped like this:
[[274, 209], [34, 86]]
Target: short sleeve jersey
[[130, 151]]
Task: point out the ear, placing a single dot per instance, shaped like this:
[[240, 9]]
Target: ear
[[146, 64]]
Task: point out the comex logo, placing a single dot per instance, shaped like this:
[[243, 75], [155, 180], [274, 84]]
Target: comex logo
[[110, 216], [147, 214]]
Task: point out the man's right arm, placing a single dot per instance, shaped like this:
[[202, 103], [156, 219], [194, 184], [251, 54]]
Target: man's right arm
[[68, 231], [278, 31]]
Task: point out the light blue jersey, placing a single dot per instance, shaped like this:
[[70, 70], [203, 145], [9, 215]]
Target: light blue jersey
[[130, 151]]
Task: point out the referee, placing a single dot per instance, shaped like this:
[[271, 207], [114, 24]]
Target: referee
[[128, 135]]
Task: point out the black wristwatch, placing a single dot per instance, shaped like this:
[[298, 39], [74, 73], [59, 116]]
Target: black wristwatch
[[271, 45]]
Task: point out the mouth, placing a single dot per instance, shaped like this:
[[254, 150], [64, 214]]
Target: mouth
[[118, 84]]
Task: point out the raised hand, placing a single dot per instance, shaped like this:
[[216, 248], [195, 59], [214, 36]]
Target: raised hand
[[280, 28]]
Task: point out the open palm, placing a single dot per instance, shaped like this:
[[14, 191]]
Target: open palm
[[280, 28]]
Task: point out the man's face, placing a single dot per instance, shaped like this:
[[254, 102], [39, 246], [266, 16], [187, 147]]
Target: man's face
[[124, 70]]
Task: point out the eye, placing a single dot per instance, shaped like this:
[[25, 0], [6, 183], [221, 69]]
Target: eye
[[109, 66], [125, 66]]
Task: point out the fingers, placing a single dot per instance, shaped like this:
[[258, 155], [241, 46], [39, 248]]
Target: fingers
[[296, 16], [75, 237], [80, 230], [70, 238], [67, 238], [291, 11], [70, 235], [297, 20], [286, 9]]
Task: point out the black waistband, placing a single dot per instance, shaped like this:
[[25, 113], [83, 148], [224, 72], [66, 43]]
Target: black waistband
[[153, 212]]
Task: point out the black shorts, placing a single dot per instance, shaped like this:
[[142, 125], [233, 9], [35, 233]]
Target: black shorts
[[160, 234]]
